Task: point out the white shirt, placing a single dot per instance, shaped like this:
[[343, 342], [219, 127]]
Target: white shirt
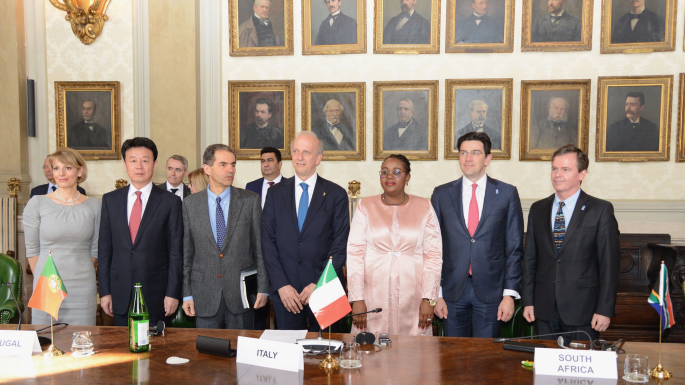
[[404, 21], [466, 193], [633, 22], [336, 133], [132, 199], [311, 182], [50, 187], [636, 121], [179, 191], [477, 15], [332, 19], [265, 187]]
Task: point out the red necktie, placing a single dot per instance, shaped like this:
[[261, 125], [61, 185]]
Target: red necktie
[[136, 214], [270, 183], [473, 216]]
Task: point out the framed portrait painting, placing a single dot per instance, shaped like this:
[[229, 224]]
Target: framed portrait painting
[[407, 26], [680, 152], [480, 26], [633, 118], [405, 119], [333, 27], [261, 114], [557, 25], [335, 113], [88, 116], [638, 26], [260, 27], [482, 105], [554, 113]]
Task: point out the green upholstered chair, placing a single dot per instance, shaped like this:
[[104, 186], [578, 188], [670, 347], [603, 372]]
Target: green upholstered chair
[[517, 325], [181, 320], [10, 271]]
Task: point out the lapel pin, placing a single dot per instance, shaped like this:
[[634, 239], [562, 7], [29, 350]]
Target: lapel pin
[[582, 208], [496, 191], [324, 193]]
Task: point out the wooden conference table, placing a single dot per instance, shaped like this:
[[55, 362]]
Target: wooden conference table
[[409, 360]]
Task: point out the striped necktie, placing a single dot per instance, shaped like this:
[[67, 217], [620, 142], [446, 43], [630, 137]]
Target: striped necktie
[[559, 227]]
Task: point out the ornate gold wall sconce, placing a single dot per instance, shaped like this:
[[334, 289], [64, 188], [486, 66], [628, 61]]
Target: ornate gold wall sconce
[[87, 17]]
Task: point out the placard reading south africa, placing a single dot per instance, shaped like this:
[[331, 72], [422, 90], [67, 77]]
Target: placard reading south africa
[[576, 363]]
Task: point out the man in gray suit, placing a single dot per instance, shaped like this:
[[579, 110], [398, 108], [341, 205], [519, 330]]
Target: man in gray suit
[[221, 238]]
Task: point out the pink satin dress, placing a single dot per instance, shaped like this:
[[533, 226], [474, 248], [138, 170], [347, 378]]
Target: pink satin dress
[[394, 260]]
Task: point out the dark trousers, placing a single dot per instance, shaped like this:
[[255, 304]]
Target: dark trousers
[[470, 317], [304, 320], [556, 325], [224, 319], [261, 315], [122, 320]]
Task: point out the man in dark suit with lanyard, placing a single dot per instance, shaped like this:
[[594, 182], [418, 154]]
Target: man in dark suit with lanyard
[[176, 170], [141, 240], [305, 221], [572, 257], [482, 236]]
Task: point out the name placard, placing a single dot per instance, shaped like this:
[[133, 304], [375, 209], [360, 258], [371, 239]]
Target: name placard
[[270, 354], [18, 343], [576, 363]]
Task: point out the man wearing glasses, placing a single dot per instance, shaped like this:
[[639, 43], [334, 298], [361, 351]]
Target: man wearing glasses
[[482, 236]]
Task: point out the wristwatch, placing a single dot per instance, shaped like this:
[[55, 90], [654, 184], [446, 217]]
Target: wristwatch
[[431, 302]]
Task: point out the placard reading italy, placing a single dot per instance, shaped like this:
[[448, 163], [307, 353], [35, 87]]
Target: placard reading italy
[[576, 363]]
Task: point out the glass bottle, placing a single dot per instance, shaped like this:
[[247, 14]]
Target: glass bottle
[[138, 323]]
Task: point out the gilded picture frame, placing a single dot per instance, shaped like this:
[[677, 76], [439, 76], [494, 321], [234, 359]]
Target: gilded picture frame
[[88, 118], [327, 107], [483, 103], [462, 39], [320, 37], [572, 31], [680, 152], [421, 34], [633, 118], [242, 32], [405, 119], [254, 106], [553, 113], [619, 36]]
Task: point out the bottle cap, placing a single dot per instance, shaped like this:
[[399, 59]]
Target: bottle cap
[[138, 285]]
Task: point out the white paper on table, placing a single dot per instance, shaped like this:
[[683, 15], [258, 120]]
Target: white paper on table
[[287, 336]]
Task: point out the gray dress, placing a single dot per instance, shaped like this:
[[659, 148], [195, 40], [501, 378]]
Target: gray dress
[[71, 232]]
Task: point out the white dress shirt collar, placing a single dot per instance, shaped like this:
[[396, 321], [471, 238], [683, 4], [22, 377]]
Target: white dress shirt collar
[[179, 189], [466, 183], [335, 13], [636, 121], [311, 182], [265, 187], [50, 187], [132, 198]]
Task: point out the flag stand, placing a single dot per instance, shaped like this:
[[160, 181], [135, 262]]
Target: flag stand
[[52, 351], [659, 371], [329, 363]]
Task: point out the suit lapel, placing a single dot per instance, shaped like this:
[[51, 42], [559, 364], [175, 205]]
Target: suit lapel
[[291, 209], [491, 196], [150, 208], [455, 194], [578, 213], [320, 191], [234, 209], [203, 212], [547, 218], [122, 201]]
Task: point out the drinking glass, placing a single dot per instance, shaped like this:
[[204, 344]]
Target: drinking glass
[[351, 356], [636, 368], [82, 345]]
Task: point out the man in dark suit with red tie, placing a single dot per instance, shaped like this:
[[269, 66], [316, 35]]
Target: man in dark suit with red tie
[[305, 221], [573, 253], [482, 237], [141, 240]]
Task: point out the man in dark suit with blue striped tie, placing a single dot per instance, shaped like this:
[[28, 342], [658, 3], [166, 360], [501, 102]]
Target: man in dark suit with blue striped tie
[[305, 221]]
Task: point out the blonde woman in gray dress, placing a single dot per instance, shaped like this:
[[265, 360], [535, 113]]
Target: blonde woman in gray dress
[[68, 223]]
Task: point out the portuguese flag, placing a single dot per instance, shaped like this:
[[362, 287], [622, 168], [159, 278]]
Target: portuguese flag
[[328, 302], [50, 290]]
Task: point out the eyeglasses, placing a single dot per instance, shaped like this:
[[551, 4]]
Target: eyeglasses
[[474, 154], [395, 173]]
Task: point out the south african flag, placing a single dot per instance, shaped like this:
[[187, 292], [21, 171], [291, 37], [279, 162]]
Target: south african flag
[[661, 301]]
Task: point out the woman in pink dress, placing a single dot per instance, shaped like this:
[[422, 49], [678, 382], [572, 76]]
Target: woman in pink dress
[[394, 257]]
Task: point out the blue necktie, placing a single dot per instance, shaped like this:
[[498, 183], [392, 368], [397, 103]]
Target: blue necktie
[[304, 205], [220, 224], [559, 227]]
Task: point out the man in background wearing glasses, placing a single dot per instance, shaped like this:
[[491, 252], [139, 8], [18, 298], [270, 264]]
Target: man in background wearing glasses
[[482, 236]]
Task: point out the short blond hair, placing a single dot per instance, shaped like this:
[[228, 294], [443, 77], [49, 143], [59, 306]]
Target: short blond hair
[[72, 158], [199, 179]]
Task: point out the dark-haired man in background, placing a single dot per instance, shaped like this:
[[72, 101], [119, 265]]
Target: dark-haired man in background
[[634, 133], [481, 221], [572, 257], [261, 133], [141, 240], [271, 172]]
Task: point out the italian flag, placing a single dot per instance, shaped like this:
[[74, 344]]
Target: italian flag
[[50, 290], [328, 302]]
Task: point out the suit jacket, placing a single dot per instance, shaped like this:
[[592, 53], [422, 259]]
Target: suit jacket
[[495, 136], [208, 270], [415, 31], [330, 143], [414, 137], [297, 258], [545, 135], [650, 27], [343, 31], [155, 259], [269, 136], [81, 137], [622, 136], [568, 28], [43, 190], [494, 252], [487, 31], [186, 189], [583, 277], [247, 35], [256, 187]]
